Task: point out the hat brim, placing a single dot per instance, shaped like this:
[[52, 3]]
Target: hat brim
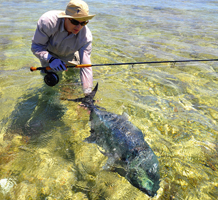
[[82, 18]]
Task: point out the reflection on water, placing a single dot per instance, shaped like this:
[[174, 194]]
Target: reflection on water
[[43, 153]]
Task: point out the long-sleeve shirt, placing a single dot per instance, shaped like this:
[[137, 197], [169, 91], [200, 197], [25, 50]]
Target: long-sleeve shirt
[[51, 39]]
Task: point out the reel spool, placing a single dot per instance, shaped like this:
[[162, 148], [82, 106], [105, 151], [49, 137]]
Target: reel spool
[[51, 79]]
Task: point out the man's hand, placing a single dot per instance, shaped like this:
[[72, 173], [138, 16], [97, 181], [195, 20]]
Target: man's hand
[[57, 64]]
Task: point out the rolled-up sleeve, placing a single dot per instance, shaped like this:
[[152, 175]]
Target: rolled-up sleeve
[[40, 40], [86, 74]]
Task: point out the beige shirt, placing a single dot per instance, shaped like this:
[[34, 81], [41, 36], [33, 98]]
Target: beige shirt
[[51, 39]]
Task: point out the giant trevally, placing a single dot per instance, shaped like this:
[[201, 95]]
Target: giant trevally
[[124, 143]]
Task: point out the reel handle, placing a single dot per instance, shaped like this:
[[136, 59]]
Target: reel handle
[[39, 68]]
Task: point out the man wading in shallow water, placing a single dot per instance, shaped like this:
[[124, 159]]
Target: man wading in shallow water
[[62, 36]]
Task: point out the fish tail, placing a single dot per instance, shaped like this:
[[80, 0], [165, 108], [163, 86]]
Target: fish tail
[[87, 101]]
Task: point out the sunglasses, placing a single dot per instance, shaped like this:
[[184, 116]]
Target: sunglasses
[[74, 22]]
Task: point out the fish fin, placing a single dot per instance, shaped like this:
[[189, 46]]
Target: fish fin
[[92, 138], [109, 164], [99, 107], [92, 94], [104, 153], [76, 100], [87, 100], [115, 165], [121, 171], [125, 116]]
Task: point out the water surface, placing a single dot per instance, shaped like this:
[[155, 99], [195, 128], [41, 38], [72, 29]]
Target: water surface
[[43, 153]]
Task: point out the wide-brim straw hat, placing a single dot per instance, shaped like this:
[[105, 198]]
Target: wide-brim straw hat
[[78, 10]]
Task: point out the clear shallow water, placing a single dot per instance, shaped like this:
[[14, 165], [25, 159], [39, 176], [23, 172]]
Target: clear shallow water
[[43, 155]]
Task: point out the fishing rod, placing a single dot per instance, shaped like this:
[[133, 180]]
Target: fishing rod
[[51, 78], [129, 63]]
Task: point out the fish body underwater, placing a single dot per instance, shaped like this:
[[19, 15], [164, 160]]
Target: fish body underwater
[[124, 144]]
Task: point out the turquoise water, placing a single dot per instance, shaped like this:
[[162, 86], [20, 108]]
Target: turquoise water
[[43, 153]]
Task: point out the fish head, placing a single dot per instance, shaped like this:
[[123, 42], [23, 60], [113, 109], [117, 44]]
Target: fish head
[[139, 179], [144, 175]]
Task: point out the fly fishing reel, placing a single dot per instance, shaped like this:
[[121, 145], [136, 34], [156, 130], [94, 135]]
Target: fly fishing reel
[[51, 79]]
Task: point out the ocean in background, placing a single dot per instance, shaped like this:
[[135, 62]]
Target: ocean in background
[[42, 150]]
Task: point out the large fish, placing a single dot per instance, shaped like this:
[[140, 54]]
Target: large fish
[[124, 143]]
